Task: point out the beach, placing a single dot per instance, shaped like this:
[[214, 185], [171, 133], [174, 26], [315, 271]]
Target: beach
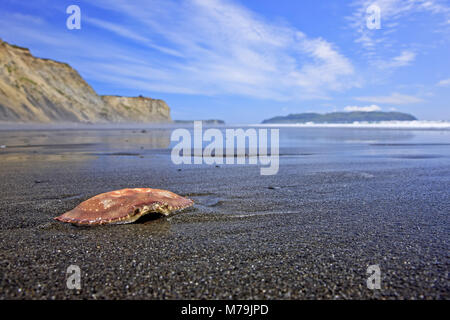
[[342, 200]]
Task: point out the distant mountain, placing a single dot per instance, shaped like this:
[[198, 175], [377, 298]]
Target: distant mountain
[[42, 90], [342, 117]]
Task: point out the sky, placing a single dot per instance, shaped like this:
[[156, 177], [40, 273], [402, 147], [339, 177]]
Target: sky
[[244, 61]]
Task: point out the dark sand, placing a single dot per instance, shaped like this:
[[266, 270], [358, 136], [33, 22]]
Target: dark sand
[[308, 232]]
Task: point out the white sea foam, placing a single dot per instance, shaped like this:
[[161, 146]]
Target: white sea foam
[[417, 124]]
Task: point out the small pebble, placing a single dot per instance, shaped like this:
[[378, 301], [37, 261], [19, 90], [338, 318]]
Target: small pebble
[[41, 181]]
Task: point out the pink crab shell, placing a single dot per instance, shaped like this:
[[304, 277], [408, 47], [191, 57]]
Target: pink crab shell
[[124, 206]]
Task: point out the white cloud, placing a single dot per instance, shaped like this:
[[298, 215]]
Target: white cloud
[[219, 47], [207, 47], [127, 33], [394, 98], [444, 83], [370, 108], [404, 59]]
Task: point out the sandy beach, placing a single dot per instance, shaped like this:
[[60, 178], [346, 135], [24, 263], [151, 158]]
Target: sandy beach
[[342, 200]]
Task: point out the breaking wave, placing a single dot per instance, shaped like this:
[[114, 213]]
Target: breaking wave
[[417, 124]]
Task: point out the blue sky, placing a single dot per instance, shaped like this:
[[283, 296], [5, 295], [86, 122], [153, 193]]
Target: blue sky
[[247, 60]]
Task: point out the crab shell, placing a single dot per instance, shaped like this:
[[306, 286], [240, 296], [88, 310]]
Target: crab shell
[[124, 206]]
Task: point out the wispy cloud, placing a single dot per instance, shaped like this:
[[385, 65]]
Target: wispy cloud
[[129, 34], [404, 59], [380, 44], [206, 47], [444, 83], [220, 47], [394, 98], [370, 108]]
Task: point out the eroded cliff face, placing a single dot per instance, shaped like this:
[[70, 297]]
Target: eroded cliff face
[[41, 90], [138, 109]]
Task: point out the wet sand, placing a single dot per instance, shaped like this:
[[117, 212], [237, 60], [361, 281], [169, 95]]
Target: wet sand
[[309, 232]]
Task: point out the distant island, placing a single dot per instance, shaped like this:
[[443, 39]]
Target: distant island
[[210, 121], [342, 117]]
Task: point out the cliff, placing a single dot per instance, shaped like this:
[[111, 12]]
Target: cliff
[[342, 117], [41, 90], [138, 109]]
